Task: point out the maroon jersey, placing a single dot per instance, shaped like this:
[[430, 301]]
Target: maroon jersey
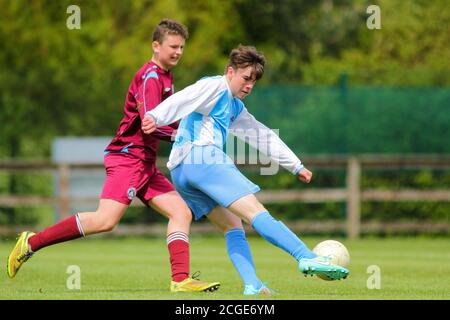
[[150, 86]]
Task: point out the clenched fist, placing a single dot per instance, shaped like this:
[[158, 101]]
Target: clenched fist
[[148, 124], [305, 175]]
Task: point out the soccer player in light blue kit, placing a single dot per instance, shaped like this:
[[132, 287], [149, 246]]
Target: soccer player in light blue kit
[[209, 181]]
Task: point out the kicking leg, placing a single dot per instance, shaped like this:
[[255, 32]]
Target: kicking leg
[[277, 233], [274, 231]]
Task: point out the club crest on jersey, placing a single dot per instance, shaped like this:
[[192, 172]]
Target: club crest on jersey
[[131, 193]]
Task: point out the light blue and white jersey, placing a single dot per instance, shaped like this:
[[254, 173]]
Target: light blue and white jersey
[[210, 124], [209, 112]]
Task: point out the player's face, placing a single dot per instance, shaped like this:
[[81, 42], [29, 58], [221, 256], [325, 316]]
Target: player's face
[[168, 53], [241, 81]]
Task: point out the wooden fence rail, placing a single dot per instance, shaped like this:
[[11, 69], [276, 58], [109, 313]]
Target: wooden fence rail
[[352, 193]]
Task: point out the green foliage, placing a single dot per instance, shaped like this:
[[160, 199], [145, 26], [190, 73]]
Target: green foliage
[[406, 211], [413, 179], [23, 216], [408, 50]]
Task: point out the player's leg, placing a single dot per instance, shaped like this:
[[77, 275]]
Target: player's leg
[[161, 196], [276, 232], [103, 219], [175, 209], [253, 212], [172, 206], [124, 175], [238, 249]]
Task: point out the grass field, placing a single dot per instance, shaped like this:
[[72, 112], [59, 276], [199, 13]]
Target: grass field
[[138, 268]]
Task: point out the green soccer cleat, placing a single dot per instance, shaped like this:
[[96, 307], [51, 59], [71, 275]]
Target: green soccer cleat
[[20, 254], [250, 290], [193, 285], [322, 267]]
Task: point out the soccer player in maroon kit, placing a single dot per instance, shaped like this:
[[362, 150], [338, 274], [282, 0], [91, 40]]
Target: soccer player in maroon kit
[[130, 162]]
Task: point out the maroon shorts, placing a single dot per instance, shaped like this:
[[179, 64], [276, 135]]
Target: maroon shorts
[[127, 177]]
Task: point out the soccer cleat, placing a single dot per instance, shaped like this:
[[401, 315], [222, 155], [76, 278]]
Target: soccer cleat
[[322, 267], [250, 290], [20, 254], [193, 285]]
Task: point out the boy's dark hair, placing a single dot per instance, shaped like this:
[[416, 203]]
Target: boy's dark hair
[[244, 56], [168, 26]]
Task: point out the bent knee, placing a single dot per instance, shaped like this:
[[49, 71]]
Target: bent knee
[[181, 215], [107, 226], [105, 223]]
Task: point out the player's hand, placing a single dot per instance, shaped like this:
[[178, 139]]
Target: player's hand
[[305, 175], [148, 124]]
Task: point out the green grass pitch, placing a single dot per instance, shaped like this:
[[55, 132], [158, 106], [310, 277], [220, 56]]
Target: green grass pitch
[[138, 268]]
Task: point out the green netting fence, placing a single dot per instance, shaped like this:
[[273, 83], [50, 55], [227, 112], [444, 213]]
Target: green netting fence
[[356, 119]]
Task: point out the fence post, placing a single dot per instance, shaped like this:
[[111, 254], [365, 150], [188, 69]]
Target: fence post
[[353, 198], [64, 201]]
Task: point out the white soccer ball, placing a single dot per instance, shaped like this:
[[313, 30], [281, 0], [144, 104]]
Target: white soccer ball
[[335, 250]]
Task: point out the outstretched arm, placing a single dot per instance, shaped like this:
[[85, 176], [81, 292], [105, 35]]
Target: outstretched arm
[[256, 134], [196, 97]]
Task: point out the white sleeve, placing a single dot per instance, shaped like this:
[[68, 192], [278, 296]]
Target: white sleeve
[[196, 97], [260, 137]]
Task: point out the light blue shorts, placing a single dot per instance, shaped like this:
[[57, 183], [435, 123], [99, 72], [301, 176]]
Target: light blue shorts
[[206, 184]]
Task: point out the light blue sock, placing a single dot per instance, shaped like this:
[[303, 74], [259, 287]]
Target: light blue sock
[[240, 255], [279, 235]]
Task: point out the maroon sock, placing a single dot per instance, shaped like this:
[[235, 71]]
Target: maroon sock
[[64, 230], [178, 244]]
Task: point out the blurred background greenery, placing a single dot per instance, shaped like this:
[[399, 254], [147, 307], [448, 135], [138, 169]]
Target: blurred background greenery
[[331, 85]]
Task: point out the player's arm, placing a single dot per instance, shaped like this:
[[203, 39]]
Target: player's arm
[[196, 97], [260, 137]]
